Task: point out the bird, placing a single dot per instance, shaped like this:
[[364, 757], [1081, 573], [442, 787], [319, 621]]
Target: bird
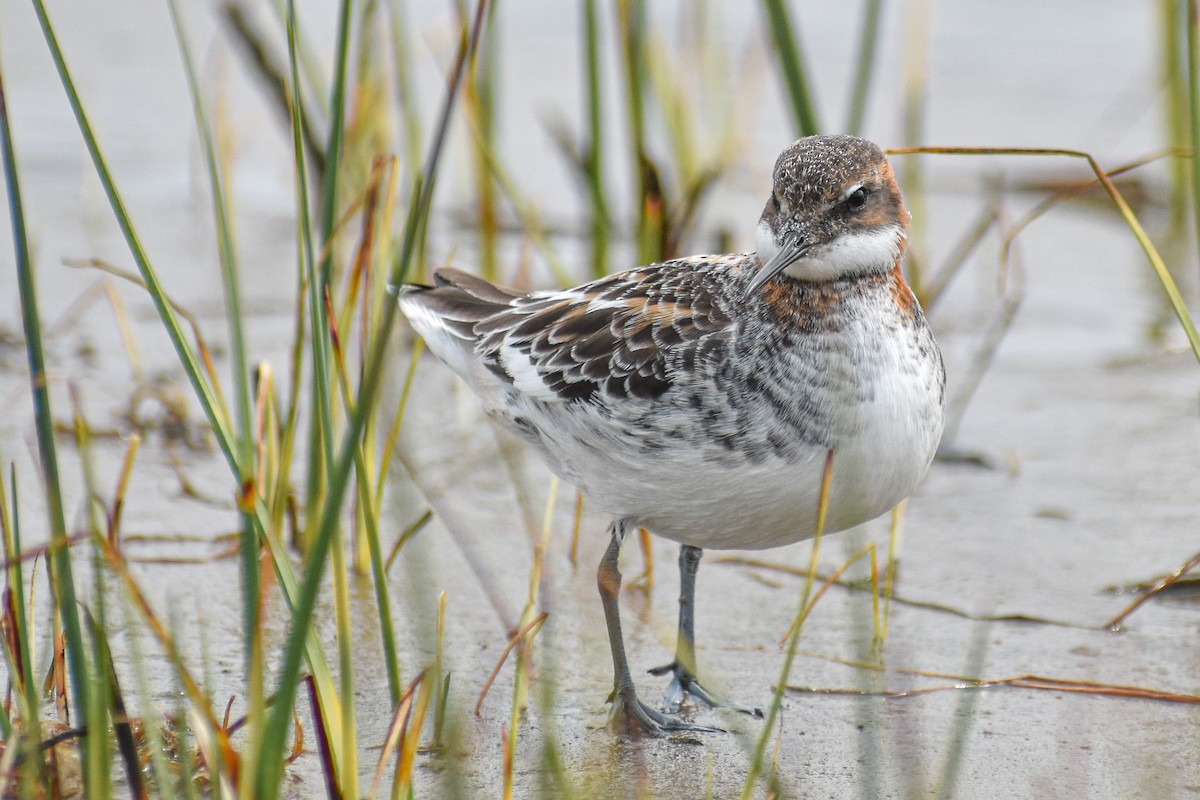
[[708, 398]]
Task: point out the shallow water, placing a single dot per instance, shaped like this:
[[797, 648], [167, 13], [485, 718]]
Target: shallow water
[[1090, 426]]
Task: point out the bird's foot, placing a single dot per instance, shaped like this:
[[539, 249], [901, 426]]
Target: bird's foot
[[684, 684], [632, 718]]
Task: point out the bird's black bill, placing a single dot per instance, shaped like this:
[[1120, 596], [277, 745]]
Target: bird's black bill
[[791, 250]]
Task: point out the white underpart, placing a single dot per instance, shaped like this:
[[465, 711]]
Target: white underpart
[[850, 254]]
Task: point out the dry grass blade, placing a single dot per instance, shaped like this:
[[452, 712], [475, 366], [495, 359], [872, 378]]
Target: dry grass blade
[[396, 733], [576, 525], [46, 550], [830, 581], [118, 503], [529, 630], [1158, 586], [202, 348], [1131, 220], [195, 694], [122, 727], [786, 569], [1031, 681], [775, 709], [409, 532], [409, 743]]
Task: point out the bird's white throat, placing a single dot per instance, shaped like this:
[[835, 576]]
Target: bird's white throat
[[853, 253]]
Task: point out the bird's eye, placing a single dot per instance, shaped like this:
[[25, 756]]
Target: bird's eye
[[857, 199]]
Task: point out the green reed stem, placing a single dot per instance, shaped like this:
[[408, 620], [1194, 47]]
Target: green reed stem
[[62, 579], [631, 18], [321, 446], [310, 65], [1193, 73], [1177, 105], [791, 62], [269, 775], [210, 402], [319, 293], [593, 154], [382, 597], [480, 97], [28, 696], [280, 717], [97, 748], [868, 44], [337, 135], [806, 602], [230, 271]]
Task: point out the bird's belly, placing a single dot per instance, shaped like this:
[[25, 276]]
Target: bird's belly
[[683, 490], [774, 503]]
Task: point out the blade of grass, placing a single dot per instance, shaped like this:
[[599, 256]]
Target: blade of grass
[[868, 43], [165, 787], [319, 284], [126, 744], [96, 744], [269, 72], [1193, 74], [241, 378], [395, 737], [310, 65], [342, 738], [756, 762], [369, 517], [209, 399], [62, 579], [631, 19], [270, 776], [97, 748], [593, 150], [791, 63], [1131, 221], [21, 655], [316, 277]]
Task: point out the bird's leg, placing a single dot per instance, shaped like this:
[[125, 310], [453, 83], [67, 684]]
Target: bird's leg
[[629, 715], [683, 668]]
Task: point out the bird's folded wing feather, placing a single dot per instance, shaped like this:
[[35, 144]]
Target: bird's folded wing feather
[[620, 337]]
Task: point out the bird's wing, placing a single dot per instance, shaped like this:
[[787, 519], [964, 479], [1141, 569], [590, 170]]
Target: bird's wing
[[620, 336]]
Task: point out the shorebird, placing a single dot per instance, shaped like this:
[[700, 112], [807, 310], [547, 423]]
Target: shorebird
[[702, 398]]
